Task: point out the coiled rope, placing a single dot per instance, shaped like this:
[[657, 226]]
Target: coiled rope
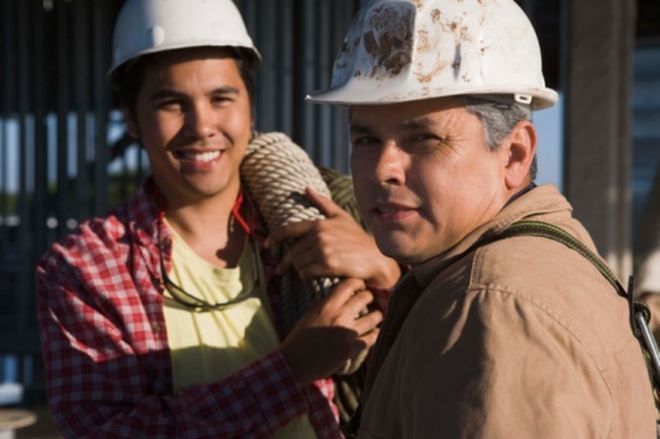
[[276, 172]]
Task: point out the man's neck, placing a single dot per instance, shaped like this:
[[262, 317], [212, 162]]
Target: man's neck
[[520, 192], [207, 228]]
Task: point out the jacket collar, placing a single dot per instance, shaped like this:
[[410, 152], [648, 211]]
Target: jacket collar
[[537, 202]]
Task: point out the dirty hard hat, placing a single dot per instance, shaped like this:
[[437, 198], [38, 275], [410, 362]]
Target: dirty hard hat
[[407, 50], [150, 26]]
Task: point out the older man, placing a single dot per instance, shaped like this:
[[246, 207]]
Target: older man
[[165, 318], [486, 337]]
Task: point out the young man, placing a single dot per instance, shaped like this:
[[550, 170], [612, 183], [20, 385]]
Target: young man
[[163, 319], [485, 337]]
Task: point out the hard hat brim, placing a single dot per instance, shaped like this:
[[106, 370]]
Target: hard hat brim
[[114, 71], [348, 96]]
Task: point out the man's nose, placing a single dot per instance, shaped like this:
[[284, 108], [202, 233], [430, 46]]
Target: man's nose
[[201, 121], [390, 166]]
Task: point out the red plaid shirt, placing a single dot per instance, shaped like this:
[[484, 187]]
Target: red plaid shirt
[[105, 349]]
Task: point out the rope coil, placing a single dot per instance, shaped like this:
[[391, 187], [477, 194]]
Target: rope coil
[[276, 172]]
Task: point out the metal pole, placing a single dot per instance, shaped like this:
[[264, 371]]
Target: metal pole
[[24, 243], [598, 76], [40, 140], [63, 194], [101, 41], [81, 81]]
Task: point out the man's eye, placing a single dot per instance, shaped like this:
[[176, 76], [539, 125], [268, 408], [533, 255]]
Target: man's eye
[[423, 143], [169, 105], [221, 99], [426, 137], [364, 140]]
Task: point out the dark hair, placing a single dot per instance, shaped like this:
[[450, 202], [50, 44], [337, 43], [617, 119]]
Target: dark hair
[[127, 81]]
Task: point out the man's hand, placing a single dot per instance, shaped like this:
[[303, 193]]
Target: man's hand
[[334, 247], [331, 332]]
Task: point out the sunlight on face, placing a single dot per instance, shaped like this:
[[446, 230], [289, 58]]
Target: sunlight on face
[[193, 118], [424, 177]]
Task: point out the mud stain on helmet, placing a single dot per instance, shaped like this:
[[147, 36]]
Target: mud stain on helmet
[[459, 29], [427, 77], [389, 39], [423, 44]]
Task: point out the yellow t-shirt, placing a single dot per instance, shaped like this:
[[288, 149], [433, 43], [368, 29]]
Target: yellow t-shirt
[[209, 346]]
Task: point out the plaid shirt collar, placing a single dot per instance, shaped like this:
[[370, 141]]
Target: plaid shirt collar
[[146, 212], [146, 226], [145, 217]]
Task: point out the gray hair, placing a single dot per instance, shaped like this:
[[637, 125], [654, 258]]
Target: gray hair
[[499, 118]]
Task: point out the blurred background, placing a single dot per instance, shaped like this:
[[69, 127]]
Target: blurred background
[[65, 155]]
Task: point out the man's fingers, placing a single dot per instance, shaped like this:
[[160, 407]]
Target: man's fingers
[[306, 268], [298, 229], [344, 291], [370, 338], [357, 302], [290, 231], [300, 255], [368, 322], [324, 204]]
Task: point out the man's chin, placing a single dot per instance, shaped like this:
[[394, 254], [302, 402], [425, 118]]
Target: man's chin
[[403, 254]]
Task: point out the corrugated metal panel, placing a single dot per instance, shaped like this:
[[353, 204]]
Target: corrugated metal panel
[[81, 78], [298, 40], [100, 102], [62, 108], [25, 154]]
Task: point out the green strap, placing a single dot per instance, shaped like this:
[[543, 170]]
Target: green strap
[[640, 329], [550, 231]]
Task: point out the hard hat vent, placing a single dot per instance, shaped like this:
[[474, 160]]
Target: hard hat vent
[[155, 36]]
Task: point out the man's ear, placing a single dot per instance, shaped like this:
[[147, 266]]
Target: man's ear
[[520, 148], [131, 123]]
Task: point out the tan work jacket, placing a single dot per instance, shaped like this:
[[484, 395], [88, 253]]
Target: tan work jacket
[[522, 338]]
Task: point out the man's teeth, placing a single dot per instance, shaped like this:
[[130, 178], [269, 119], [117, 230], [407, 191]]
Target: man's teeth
[[201, 157]]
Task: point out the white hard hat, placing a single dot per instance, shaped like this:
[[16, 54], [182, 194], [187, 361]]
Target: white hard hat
[[407, 50], [149, 26]]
